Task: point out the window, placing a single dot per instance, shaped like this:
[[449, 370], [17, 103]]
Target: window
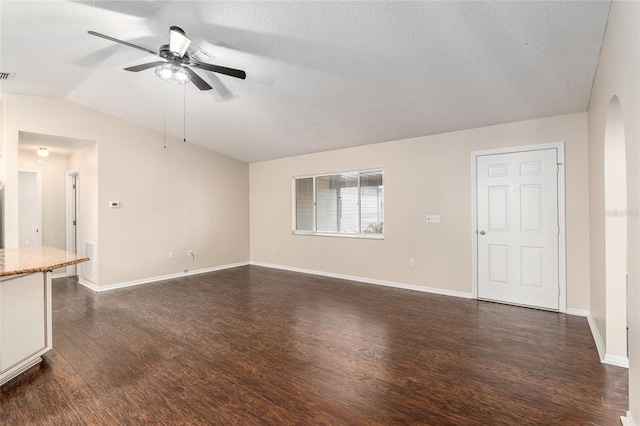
[[348, 203]]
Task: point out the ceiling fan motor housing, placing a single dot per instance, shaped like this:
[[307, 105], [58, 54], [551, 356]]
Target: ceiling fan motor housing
[[166, 53]]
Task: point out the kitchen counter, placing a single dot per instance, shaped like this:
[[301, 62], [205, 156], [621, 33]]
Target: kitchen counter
[[35, 259], [25, 305]]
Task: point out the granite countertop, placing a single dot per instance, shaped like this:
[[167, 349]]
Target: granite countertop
[[16, 261]]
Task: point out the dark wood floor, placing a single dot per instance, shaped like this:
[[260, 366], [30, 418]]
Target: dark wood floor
[[257, 346]]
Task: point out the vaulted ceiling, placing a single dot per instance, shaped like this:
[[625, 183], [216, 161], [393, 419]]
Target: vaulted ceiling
[[320, 75]]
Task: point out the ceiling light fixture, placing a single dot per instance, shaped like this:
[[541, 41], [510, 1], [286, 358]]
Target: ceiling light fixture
[[43, 152], [173, 73]]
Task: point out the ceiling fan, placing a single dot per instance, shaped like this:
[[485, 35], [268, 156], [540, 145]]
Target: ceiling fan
[[173, 68]]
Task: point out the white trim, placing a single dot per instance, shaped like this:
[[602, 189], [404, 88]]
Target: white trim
[[72, 270], [605, 358], [618, 361], [404, 286], [628, 420], [596, 337], [58, 275], [578, 312], [293, 204], [15, 373], [361, 235], [88, 284], [562, 260], [474, 226], [100, 289], [562, 237], [375, 169]]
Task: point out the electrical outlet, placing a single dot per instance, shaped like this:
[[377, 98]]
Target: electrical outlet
[[433, 218], [275, 248], [170, 255], [412, 262]]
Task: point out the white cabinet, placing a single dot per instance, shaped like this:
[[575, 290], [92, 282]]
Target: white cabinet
[[25, 305], [25, 322]]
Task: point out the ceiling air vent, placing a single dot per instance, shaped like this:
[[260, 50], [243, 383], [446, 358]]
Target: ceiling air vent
[[7, 75]]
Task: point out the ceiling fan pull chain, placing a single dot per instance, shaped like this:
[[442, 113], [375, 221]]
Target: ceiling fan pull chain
[[184, 114]]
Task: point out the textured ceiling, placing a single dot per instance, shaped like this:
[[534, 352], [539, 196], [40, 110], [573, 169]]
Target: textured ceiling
[[320, 75]]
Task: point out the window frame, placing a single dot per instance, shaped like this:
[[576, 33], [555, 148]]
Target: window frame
[[360, 234]]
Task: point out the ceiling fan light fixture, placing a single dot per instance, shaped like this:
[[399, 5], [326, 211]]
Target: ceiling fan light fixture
[[173, 73], [43, 152]]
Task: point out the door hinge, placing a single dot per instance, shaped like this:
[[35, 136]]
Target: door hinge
[[74, 186], [74, 223]]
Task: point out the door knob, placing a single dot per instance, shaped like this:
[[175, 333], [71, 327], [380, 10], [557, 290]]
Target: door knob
[[482, 232]]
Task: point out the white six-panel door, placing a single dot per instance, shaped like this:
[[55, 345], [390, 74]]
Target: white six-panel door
[[29, 208], [517, 223]]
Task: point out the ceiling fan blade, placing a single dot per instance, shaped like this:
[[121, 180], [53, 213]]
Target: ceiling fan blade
[[93, 33], [178, 41], [195, 79], [221, 70], [143, 67]]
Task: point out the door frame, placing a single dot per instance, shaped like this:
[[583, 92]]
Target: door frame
[[70, 203], [38, 173], [562, 257]]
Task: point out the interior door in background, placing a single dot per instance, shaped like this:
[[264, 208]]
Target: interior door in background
[[29, 209], [517, 223]]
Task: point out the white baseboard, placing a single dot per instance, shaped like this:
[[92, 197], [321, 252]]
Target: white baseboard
[[88, 284], [578, 312], [100, 289], [605, 358], [596, 337], [404, 286], [627, 420], [618, 361]]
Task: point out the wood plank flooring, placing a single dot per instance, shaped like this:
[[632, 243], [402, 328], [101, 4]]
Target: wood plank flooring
[[252, 345]]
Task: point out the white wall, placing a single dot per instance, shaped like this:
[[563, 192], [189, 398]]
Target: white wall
[[618, 75], [426, 175], [3, 170], [184, 197], [85, 163]]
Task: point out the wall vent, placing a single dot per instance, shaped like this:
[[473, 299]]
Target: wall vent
[[7, 75], [88, 266]]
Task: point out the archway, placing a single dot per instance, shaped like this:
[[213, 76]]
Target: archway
[[615, 184]]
